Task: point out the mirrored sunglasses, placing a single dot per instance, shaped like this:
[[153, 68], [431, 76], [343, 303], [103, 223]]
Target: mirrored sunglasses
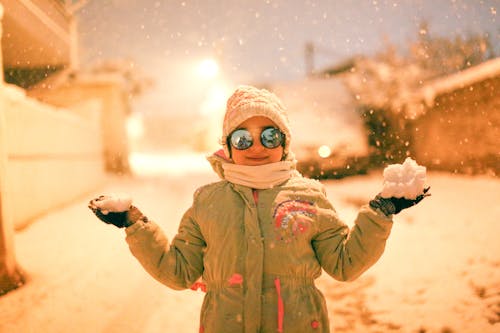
[[270, 137]]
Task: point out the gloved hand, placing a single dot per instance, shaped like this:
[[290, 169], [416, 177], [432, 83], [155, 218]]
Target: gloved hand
[[118, 219], [394, 205]]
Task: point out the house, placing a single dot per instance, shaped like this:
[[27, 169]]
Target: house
[[448, 123], [459, 127], [56, 116], [54, 142], [38, 39]]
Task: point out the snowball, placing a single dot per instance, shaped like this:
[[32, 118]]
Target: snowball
[[114, 203], [405, 180]]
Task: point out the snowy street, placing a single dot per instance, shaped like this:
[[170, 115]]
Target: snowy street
[[124, 107], [440, 271]]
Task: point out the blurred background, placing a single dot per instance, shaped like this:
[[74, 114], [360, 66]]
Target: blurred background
[[127, 91]]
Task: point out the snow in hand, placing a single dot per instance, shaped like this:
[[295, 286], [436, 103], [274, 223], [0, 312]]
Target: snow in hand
[[404, 180], [113, 203]]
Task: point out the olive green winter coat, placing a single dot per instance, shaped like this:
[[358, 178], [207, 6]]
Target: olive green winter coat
[[259, 253]]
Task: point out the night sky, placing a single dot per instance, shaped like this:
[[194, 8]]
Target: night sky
[[258, 41]]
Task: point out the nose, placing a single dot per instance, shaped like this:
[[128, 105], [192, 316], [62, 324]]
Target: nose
[[257, 146]]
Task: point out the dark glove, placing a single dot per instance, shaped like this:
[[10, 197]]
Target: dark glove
[[394, 205], [118, 219]]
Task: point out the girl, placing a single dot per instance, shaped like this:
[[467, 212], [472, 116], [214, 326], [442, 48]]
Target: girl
[[261, 236]]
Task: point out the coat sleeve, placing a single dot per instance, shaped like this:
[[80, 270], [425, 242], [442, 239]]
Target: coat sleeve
[[177, 265], [346, 253]]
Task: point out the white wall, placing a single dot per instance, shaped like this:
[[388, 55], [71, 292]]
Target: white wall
[[53, 155]]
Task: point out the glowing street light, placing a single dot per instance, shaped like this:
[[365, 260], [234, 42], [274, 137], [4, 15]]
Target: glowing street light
[[324, 151], [135, 127], [208, 69]]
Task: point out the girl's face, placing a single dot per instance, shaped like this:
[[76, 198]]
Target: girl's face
[[257, 154]]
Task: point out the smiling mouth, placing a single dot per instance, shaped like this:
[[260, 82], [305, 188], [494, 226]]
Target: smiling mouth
[[257, 158]]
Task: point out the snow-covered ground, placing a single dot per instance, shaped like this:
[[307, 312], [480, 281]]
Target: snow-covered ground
[[440, 271]]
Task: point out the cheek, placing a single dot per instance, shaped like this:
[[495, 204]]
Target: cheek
[[238, 156], [276, 155]]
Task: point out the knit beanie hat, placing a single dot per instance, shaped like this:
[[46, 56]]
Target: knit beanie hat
[[247, 102]]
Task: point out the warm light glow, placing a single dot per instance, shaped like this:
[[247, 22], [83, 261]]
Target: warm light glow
[[215, 100], [324, 151], [208, 68], [212, 111], [175, 164], [135, 127]]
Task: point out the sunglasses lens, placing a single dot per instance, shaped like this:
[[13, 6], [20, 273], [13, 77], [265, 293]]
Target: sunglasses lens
[[271, 137], [241, 139]]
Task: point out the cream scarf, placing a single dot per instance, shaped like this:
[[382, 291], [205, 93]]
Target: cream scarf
[[260, 176]]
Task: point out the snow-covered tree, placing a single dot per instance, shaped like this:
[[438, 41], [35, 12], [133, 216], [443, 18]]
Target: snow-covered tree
[[441, 56]]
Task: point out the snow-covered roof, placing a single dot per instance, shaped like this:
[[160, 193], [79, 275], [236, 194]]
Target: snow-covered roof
[[67, 76], [486, 70]]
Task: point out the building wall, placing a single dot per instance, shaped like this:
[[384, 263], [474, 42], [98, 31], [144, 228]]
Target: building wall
[[461, 131], [52, 155], [111, 117]]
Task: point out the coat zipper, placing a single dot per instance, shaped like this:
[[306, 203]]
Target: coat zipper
[[255, 196], [281, 308], [277, 282]]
